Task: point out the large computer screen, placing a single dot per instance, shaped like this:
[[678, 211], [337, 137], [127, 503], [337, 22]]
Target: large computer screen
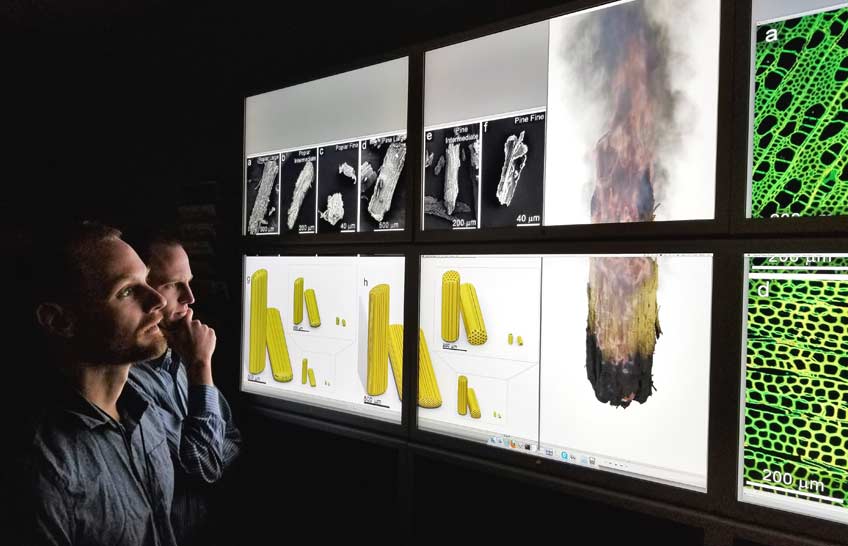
[[798, 164], [600, 116], [794, 423], [595, 360], [328, 156], [320, 330]]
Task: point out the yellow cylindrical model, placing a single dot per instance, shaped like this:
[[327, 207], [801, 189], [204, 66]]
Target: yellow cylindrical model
[[428, 388], [311, 377], [462, 395], [473, 406], [312, 308], [396, 355], [297, 315], [277, 348], [472, 316], [378, 342], [450, 306], [304, 371], [258, 316]]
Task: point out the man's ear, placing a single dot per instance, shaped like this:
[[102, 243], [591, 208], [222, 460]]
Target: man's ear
[[55, 319]]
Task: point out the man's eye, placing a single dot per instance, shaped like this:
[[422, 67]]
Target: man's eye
[[126, 292]]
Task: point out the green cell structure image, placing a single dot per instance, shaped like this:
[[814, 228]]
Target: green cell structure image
[[796, 410], [800, 161]]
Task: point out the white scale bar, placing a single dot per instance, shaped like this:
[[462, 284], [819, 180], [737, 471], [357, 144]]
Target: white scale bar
[[801, 493], [798, 276], [802, 267]]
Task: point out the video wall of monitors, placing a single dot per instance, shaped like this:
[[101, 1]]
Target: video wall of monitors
[[576, 355], [316, 330], [595, 360], [606, 115], [794, 423], [799, 109], [328, 156]]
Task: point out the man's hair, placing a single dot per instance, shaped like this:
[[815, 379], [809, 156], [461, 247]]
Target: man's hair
[[144, 238], [58, 268]]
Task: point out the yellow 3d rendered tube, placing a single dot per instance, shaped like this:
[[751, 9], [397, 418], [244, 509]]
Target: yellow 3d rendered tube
[[462, 395], [277, 348], [297, 311], [473, 405], [472, 316], [450, 306], [428, 388], [396, 355], [312, 308], [378, 342], [258, 316]]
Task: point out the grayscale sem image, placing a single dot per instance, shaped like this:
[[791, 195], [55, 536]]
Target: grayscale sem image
[[298, 189], [338, 187], [383, 192], [335, 209], [451, 185], [513, 171], [303, 185], [515, 157], [384, 188], [262, 195], [348, 171]]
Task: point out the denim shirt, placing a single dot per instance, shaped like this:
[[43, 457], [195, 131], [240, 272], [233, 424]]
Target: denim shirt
[[93, 480], [201, 434]]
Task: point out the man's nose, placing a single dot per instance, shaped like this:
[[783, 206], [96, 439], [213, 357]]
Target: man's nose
[[153, 300], [186, 295]]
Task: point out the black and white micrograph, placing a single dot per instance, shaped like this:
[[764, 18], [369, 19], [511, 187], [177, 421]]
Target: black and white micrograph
[[382, 181], [299, 173], [337, 187], [513, 171], [451, 177], [262, 195]]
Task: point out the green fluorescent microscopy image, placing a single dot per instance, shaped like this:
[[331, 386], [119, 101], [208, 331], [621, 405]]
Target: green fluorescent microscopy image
[[796, 410], [800, 164]]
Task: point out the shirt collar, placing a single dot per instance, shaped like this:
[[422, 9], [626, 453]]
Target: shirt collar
[[131, 405], [163, 361]]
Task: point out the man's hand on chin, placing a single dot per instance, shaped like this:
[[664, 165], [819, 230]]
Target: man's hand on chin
[[195, 343]]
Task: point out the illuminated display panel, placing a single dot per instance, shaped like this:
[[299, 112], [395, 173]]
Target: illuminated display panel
[[794, 423], [799, 109], [316, 331], [605, 115], [595, 360], [328, 156]]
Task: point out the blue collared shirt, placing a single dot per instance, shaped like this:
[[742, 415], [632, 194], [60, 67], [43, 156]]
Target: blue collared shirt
[[201, 435], [92, 480]]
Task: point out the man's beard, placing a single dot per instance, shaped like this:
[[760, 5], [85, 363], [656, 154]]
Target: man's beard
[[121, 350]]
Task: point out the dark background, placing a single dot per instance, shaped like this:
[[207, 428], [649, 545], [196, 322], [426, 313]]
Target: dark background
[[103, 101]]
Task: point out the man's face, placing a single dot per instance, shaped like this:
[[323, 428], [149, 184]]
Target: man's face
[[117, 317], [170, 275]]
